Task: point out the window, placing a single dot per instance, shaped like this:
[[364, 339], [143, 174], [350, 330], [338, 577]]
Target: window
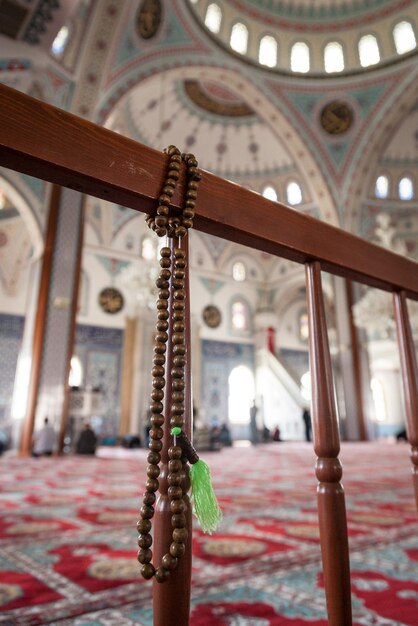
[[406, 189], [2, 199], [299, 57], [76, 372], [60, 42], [404, 37], [241, 394], [382, 187], [213, 18], [333, 57], [239, 272], [378, 394], [368, 51], [147, 249], [239, 38], [270, 193], [240, 317], [267, 53], [303, 326], [294, 193]]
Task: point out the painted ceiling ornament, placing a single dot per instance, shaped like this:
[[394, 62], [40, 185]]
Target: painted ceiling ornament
[[168, 406], [149, 18], [336, 117]]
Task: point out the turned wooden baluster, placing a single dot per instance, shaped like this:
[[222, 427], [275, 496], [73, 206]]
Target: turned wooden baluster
[[331, 502], [171, 599], [410, 379]]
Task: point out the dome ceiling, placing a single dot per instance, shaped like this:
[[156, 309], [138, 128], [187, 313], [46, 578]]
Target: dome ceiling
[[205, 117]]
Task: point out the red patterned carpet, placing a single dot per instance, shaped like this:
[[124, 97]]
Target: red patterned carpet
[[68, 540]]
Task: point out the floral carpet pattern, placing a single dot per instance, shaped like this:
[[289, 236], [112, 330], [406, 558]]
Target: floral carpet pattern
[[68, 540]]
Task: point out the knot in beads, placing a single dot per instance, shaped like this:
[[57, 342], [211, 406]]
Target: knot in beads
[[170, 283], [164, 223]]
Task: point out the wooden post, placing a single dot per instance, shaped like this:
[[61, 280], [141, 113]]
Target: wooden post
[[409, 378], [171, 599], [357, 364], [331, 501]]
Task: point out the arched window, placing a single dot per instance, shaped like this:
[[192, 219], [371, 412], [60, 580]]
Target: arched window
[[76, 372], [368, 51], [299, 57], [147, 249], [270, 193], [267, 53], [240, 316], [213, 18], [294, 193], [239, 271], [406, 188], [404, 37], [60, 42], [239, 38], [382, 187], [241, 394], [333, 57]]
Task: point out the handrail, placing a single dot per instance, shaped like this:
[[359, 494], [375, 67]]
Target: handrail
[[51, 144]]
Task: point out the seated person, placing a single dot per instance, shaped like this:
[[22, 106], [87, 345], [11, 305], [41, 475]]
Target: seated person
[[87, 441], [44, 440]]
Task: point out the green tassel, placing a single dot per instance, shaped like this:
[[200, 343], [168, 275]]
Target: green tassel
[[206, 507]]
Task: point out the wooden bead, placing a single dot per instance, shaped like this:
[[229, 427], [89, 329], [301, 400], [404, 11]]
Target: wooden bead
[[174, 480], [174, 167], [179, 253], [178, 338], [147, 571], [153, 471], [161, 337], [177, 506], [175, 465], [180, 263], [153, 457], [179, 360], [175, 157], [177, 549], [164, 294], [173, 174], [156, 407], [162, 574], [165, 263], [149, 497], [187, 223], [180, 535], [178, 273], [175, 492], [178, 520], [178, 305], [178, 396], [181, 231], [152, 484], [162, 303], [168, 190], [143, 526], [180, 294], [178, 316], [147, 512], [157, 394], [144, 556], [177, 372], [190, 204], [191, 194], [178, 284], [172, 150], [193, 184], [177, 409], [145, 541], [178, 327], [159, 359], [188, 214], [163, 315], [162, 283], [158, 382], [170, 182], [178, 384], [160, 231], [165, 273], [177, 420], [161, 221], [169, 562], [156, 445], [156, 433], [162, 326], [179, 349], [158, 370], [160, 348], [164, 200], [157, 420], [175, 452], [163, 210]]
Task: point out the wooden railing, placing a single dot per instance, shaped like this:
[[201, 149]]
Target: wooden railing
[[43, 141]]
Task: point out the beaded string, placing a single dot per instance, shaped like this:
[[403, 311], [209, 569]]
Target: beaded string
[[171, 279]]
